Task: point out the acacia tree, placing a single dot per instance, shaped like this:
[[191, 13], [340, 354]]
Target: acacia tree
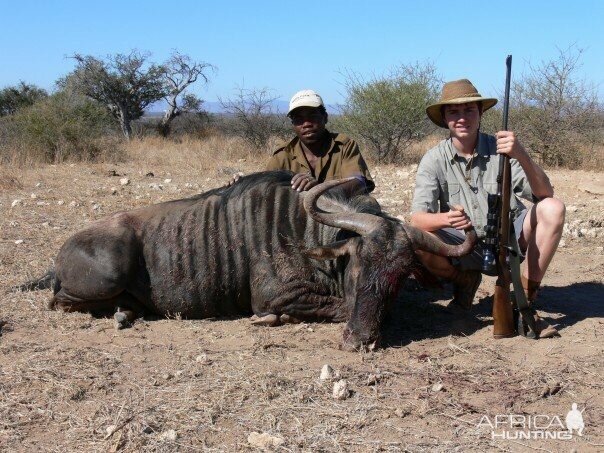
[[389, 112], [13, 98], [556, 112], [124, 84], [179, 73]]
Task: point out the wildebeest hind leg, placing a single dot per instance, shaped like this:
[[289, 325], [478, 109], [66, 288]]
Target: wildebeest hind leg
[[124, 306]]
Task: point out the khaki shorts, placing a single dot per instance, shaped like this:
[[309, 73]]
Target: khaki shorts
[[473, 261]]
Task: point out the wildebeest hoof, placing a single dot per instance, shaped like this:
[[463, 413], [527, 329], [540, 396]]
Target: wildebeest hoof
[[287, 319], [121, 320], [270, 320]]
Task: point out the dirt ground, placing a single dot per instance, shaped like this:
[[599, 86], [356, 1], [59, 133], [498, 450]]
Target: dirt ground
[[70, 382]]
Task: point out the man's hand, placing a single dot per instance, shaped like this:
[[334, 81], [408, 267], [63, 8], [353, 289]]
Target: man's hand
[[235, 178], [303, 181], [458, 218], [508, 144]]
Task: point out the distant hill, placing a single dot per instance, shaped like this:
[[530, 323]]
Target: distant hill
[[279, 106]]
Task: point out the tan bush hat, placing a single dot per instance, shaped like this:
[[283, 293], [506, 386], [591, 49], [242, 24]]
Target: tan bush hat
[[457, 92], [305, 98]]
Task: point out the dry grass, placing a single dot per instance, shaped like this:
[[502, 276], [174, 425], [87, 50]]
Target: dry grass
[[70, 382]]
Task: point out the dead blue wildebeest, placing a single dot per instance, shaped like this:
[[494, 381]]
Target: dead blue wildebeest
[[257, 247]]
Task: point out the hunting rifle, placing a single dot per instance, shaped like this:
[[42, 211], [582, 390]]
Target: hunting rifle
[[501, 252]]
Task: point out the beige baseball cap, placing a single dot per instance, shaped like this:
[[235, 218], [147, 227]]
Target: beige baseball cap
[[305, 98]]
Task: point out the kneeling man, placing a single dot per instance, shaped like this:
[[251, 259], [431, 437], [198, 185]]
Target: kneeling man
[[453, 180]]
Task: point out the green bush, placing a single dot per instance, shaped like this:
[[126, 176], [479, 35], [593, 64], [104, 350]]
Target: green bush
[[64, 126], [557, 115], [16, 97], [389, 113]]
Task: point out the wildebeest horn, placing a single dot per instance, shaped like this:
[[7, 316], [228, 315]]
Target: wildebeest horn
[[429, 243], [360, 223]]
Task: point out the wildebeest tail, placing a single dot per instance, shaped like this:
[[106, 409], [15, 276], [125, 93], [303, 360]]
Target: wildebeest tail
[[45, 282]]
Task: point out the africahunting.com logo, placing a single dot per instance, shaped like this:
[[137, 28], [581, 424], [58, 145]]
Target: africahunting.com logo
[[518, 426]]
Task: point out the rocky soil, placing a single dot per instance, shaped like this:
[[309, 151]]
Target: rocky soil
[[70, 382]]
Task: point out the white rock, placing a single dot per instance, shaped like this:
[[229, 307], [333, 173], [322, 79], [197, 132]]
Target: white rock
[[60, 202], [19, 241], [95, 207], [374, 378], [167, 181], [16, 202], [113, 190], [341, 390], [264, 440], [203, 359], [38, 184], [562, 243], [571, 208], [110, 429], [33, 196], [124, 181], [73, 204], [327, 373], [437, 387], [169, 435], [600, 249], [46, 224]]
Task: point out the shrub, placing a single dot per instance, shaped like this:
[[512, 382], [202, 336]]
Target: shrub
[[557, 114], [251, 115], [60, 127], [17, 97], [389, 112]]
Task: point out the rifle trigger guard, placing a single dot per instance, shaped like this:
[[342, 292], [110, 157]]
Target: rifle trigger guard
[[511, 250]]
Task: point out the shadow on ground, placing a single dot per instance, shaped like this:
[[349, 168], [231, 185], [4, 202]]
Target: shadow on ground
[[416, 316]]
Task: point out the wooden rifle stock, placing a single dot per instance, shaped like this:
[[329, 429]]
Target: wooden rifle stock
[[503, 313]]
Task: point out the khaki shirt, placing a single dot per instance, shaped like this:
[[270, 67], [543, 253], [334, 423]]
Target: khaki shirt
[[441, 179], [343, 159]]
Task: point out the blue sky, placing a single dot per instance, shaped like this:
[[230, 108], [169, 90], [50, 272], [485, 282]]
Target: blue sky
[[287, 46]]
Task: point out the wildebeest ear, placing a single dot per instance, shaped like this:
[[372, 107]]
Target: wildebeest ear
[[332, 251]]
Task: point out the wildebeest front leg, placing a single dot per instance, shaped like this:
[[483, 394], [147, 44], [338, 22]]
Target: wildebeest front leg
[[270, 320], [307, 301]]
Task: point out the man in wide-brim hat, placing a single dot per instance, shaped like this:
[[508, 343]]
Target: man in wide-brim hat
[[453, 180]]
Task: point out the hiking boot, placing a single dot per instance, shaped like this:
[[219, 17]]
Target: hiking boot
[[465, 285]]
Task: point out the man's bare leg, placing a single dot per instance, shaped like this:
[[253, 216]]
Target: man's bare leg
[[541, 234]]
